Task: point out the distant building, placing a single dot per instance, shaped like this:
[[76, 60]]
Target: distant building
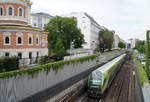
[[89, 27], [17, 38], [132, 42], [116, 41], [39, 20]]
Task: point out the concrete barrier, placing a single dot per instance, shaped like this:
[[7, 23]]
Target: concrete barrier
[[28, 88]]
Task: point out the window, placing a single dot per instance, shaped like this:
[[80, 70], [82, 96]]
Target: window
[[1, 11], [20, 55], [37, 41], [10, 11], [19, 40], [6, 54], [7, 40], [37, 54], [30, 40], [20, 12], [30, 55]]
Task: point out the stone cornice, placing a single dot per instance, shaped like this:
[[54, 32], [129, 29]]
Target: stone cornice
[[21, 28], [15, 18], [17, 2]]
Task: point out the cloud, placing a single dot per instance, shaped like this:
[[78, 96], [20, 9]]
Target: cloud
[[129, 18]]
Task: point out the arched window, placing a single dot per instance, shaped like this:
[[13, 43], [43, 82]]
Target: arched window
[[10, 11], [30, 40], [37, 40], [20, 55], [19, 40], [20, 12], [7, 40], [1, 11]]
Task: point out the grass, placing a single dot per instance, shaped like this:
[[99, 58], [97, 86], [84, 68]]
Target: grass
[[142, 75]]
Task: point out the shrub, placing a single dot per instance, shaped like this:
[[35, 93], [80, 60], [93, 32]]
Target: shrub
[[9, 64], [47, 67], [44, 59], [142, 76], [47, 59]]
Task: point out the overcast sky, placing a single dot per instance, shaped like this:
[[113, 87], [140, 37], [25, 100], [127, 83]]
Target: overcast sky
[[129, 18]]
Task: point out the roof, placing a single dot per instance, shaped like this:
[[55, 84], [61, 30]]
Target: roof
[[27, 1], [42, 14], [110, 64], [91, 18]]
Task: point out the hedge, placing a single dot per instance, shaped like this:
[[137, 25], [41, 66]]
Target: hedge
[[142, 76], [9, 64], [47, 67]]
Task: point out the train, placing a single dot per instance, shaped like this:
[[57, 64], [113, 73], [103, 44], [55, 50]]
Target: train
[[100, 79]]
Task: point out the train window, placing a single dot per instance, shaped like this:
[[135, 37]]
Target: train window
[[96, 75]]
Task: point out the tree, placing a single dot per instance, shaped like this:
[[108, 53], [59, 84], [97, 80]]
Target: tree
[[121, 45], [65, 29], [140, 46], [97, 49], [59, 48], [106, 39]]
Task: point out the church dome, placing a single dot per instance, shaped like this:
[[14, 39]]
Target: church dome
[[16, 12]]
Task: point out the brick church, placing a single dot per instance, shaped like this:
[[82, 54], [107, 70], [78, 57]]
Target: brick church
[[17, 37]]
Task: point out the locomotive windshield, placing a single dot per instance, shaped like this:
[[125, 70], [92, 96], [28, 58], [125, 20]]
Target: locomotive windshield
[[96, 77]]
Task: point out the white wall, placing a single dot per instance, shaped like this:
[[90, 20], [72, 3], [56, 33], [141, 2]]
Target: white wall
[[88, 28], [25, 52], [39, 20], [116, 41], [18, 87]]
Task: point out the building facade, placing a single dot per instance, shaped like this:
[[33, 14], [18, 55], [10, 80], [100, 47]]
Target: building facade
[[89, 28], [39, 20], [17, 38], [116, 41], [132, 42]]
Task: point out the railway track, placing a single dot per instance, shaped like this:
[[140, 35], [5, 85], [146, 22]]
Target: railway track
[[87, 99], [121, 86], [121, 89]]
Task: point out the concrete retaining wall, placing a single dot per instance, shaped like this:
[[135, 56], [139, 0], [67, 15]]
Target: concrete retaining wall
[[29, 88]]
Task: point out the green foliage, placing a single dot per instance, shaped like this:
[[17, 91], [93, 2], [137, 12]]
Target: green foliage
[[64, 30], [121, 45], [97, 49], [140, 46], [9, 64], [142, 76], [44, 59], [59, 48], [47, 67], [106, 39]]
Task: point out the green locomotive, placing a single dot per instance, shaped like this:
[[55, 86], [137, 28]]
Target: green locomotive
[[100, 79]]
